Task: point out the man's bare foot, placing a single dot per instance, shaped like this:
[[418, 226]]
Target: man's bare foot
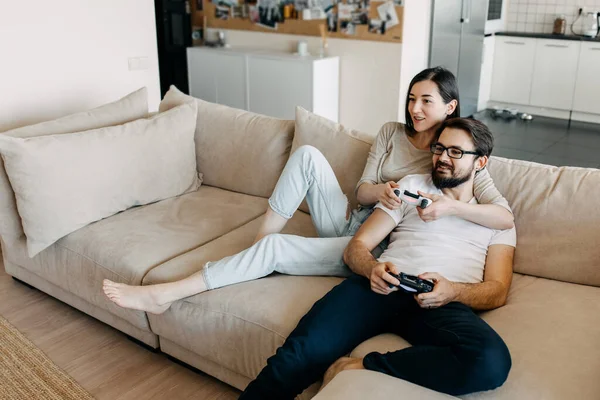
[[343, 364], [144, 298]]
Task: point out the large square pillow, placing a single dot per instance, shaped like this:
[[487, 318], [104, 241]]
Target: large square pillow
[[345, 149], [129, 108], [237, 150], [64, 182]]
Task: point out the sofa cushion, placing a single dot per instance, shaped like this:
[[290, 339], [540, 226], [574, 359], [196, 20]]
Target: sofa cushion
[[126, 246], [345, 149], [552, 330], [129, 108], [229, 244], [557, 216], [64, 182], [251, 318], [360, 385], [240, 326], [237, 150]]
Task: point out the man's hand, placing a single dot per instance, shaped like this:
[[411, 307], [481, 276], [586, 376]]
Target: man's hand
[[387, 197], [380, 278], [443, 292], [442, 206]]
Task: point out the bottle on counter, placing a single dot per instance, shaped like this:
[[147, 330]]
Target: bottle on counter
[[560, 25]]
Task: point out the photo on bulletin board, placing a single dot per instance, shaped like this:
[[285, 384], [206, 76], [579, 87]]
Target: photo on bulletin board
[[347, 27], [199, 5], [222, 12], [387, 13], [332, 22]]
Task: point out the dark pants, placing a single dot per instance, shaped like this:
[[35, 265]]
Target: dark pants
[[454, 351]]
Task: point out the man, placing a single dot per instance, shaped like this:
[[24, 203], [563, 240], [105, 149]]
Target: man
[[453, 350]]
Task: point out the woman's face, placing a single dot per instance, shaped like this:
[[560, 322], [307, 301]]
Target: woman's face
[[426, 107]]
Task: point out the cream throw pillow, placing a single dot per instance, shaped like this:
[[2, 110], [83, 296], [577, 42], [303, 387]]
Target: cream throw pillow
[[129, 108], [345, 149], [235, 149], [64, 182]]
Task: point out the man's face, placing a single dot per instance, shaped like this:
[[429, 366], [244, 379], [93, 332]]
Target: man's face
[[451, 172]]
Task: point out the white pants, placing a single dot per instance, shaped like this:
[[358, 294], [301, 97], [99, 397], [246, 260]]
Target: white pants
[[306, 174]]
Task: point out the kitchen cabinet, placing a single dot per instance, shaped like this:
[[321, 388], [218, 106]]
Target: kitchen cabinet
[[513, 69], [265, 83], [587, 88], [554, 73], [218, 77]]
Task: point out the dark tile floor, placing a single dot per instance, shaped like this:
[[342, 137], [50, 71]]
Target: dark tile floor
[[545, 140]]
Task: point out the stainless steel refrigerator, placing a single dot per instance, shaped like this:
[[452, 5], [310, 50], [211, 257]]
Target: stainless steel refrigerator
[[457, 32]]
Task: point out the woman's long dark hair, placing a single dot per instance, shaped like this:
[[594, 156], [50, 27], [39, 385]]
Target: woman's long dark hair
[[447, 87]]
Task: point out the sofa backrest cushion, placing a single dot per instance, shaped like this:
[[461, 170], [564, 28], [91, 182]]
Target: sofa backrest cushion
[[345, 149], [129, 108], [64, 182], [235, 149], [557, 216]]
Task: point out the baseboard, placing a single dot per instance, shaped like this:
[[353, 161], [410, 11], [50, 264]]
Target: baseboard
[[539, 111], [585, 117]]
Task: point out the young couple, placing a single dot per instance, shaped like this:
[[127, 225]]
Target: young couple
[[468, 218]]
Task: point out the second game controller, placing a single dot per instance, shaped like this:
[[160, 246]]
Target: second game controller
[[413, 199]]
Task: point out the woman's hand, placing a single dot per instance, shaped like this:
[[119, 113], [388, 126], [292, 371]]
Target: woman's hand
[[387, 197], [442, 206]]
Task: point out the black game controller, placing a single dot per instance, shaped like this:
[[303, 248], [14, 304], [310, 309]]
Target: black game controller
[[412, 283], [413, 199]]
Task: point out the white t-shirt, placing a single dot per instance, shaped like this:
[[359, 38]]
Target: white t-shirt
[[451, 246]]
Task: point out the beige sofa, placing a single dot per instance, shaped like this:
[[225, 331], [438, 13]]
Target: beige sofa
[[551, 322]]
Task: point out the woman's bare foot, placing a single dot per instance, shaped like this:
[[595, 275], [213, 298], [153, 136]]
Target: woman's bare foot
[[144, 298]]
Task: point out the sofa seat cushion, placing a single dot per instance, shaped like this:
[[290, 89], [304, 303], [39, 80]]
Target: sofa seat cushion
[[360, 385], [237, 326], [229, 244], [552, 330], [127, 245], [240, 326]]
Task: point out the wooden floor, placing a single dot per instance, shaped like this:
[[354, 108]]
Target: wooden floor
[[97, 356]]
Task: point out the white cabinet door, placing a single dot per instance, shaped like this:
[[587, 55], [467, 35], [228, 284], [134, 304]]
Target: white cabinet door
[[202, 75], [513, 69], [554, 73], [587, 88], [218, 77], [277, 86], [231, 80]]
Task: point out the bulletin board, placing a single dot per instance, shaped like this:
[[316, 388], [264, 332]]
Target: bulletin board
[[310, 27]]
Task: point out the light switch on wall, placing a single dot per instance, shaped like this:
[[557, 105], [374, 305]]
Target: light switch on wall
[[138, 63]]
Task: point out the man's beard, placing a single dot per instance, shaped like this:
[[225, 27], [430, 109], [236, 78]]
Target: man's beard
[[442, 182]]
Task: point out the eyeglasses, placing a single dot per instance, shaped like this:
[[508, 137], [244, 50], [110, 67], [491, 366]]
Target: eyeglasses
[[453, 152]]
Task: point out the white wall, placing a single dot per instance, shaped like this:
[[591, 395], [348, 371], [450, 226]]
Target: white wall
[[64, 56], [415, 50], [369, 74]]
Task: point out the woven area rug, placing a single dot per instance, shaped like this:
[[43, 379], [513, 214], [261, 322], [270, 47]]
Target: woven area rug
[[27, 373]]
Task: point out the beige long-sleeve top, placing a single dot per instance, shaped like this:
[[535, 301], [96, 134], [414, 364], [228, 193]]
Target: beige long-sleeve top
[[393, 156]]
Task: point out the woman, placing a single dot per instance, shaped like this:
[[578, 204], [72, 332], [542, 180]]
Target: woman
[[398, 150]]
